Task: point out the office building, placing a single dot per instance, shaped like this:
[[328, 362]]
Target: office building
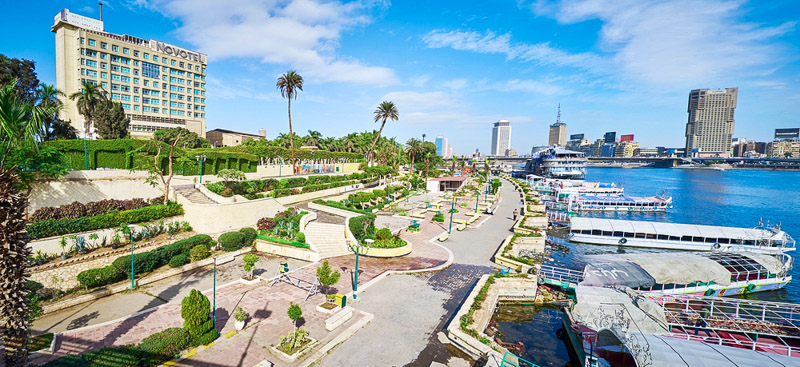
[[711, 121], [625, 149], [159, 85], [228, 138], [443, 148], [558, 131], [511, 152], [646, 152], [501, 138], [610, 137], [608, 149], [783, 148]]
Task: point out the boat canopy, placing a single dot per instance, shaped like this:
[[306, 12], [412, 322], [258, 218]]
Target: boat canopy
[[600, 308], [676, 229], [658, 351], [680, 268], [601, 273], [622, 199]]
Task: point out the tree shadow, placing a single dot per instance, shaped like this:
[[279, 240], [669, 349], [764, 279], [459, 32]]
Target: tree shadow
[[82, 321], [300, 322]]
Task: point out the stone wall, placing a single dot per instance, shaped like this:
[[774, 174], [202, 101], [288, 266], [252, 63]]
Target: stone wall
[[86, 186], [63, 275]]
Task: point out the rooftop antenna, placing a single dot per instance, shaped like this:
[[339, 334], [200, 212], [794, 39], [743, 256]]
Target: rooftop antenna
[[101, 11], [558, 118]]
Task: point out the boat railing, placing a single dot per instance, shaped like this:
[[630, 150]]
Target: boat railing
[[559, 274]]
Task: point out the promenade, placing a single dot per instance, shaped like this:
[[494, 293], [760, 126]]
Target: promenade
[[409, 310]]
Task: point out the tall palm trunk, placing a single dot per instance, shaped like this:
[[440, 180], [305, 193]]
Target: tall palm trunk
[[14, 252], [380, 131], [291, 139], [412, 163]]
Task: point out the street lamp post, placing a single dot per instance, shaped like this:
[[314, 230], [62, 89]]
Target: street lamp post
[[130, 231], [201, 158], [183, 162], [355, 275], [215, 297], [477, 199], [452, 209]]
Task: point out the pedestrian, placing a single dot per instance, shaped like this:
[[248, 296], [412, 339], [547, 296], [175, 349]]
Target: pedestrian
[[515, 214]]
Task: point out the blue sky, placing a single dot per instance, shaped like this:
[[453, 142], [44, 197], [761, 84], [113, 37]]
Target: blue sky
[[454, 67]]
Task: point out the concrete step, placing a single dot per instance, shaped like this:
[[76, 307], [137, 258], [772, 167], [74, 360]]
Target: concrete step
[[194, 195], [326, 239]]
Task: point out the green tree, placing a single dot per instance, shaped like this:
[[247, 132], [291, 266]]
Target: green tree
[[47, 96], [195, 310], [230, 174], [386, 110], [313, 138], [157, 172], [327, 276], [87, 99], [290, 84], [250, 261], [24, 72], [413, 149], [188, 139], [295, 313], [21, 126], [787, 154], [110, 120]]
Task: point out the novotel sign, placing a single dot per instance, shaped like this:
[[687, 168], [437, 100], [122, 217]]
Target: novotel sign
[[177, 51]]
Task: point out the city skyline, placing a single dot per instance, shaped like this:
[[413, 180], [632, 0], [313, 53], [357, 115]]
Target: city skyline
[[463, 65]]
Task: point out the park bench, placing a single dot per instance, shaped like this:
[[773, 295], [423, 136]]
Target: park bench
[[443, 237], [420, 214], [461, 227], [473, 218]]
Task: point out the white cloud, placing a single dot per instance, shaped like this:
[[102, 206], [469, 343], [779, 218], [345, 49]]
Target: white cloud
[[456, 84], [677, 41], [421, 101], [301, 34]]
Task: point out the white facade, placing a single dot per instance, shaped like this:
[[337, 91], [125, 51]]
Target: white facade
[[501, 138]]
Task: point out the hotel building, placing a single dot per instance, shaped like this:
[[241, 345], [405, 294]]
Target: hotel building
[[159, 85], [711, 122], [501, 138]]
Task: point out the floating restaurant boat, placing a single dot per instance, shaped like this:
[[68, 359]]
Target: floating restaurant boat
[[691, 237], [620, 327], [555, 162], [572, 201], [709, 274]]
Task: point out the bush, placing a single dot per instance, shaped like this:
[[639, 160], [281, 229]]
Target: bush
[[248, 236], [383, 234], [438, 217], [165, 345], [282, 241], [191, 242], [357, 225], [125, 355], [98, 277], [300, 237], [57, 227], [142, 263], [178, 260], [67, 361], [195, 310], [199, 252], [77, 210], [231, 241]]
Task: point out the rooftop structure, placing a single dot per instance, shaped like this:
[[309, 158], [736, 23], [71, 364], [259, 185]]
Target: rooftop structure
[[229, 138]]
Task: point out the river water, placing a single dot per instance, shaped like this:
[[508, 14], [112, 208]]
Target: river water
[[735, 198]]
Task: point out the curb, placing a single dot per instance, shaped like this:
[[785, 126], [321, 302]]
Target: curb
[[192, 352]]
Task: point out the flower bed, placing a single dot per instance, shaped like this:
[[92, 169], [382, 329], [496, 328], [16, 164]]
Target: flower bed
[[282, 241], [283, 226], [57, 227]]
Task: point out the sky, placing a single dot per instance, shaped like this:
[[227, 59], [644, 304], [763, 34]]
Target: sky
[[455, 67]]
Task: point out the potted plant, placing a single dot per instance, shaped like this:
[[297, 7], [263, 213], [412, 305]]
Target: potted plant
[[240, 316], [327, 277], [63, 244], [39, 257]]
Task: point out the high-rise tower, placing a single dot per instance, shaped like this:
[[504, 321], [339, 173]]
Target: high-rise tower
[[711, 121], [558, 131], [501, 137]]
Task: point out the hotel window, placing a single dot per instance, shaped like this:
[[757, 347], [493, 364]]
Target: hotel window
[[103, 65], [146, 83], [103, 45], [163, 60], [180, 64], [135, 53], [114, 77], [104, 75], [91, 42], [104, 56], [136, 90], [125, 50], [135, 71], [155, 84], [114, 48], [91, 53], [173, 62], [197, 68], [125, 79], [164, 78], [104, 85], [147, 109], [164, 69], [189, 66], [91, 63], [146, 56], [155, 58], [114, 95], [135, 63], [126, 106], [125, 70], [82, 40], [135, 107], [136, 98], [125, 97], [135, 80], [164, 103], [150, 70]]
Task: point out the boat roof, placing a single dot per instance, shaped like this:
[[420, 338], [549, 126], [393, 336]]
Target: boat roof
[[666, 351], [671, 229]]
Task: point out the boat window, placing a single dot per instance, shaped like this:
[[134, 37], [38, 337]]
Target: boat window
[[606, 233], [638, 235], [663, 237], [749, 242], [736, 241], [674, 238], [724, 240], [617, 234], [586, 231], [697, 239], [651, 236], [628, 235], [686, 238], [710, 240], [596, 232]]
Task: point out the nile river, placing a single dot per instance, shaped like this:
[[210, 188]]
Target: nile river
[[735, 198]]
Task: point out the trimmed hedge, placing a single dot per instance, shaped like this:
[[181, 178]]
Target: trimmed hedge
[[99, 277], [199, 252], [282, 241], [177, 260], [142, 263], [231, 241], [249, 235], [338, 205], [57, 227], [165, 345], [357, 226]]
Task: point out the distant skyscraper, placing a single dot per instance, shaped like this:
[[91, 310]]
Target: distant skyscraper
[[501, 137], [558, 131], [711, 122], [443, 147]]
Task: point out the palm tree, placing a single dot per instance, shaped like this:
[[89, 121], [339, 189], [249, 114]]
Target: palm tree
[[414, 148], [88, 98], [313, 138], [21, 127], [290, 84], [386, 110], [47, 96]]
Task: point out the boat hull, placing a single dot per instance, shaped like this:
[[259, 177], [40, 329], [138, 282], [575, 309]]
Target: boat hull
[[666, 244]]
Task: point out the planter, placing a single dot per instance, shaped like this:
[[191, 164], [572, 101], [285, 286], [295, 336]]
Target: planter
[[327, 311], [249, 282], [278, 351], [239, 325]]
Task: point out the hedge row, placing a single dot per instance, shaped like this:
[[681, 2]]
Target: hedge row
[[339, 205], [282, 241], [152, 351], [358, 224], [92, 208], [142, 262], [57, 227]]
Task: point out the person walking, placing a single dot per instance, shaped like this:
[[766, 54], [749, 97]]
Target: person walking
[[515, 214]]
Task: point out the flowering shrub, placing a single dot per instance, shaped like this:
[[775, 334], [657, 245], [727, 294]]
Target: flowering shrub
[[266, 224]]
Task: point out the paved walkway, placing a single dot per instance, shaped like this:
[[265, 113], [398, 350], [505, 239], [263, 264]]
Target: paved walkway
[[412, 310]]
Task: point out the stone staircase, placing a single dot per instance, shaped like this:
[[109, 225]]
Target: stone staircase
[[192, 194], [327, 239]]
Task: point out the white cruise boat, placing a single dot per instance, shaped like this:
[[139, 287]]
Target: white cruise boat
[[558, 163], [690, 237]]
